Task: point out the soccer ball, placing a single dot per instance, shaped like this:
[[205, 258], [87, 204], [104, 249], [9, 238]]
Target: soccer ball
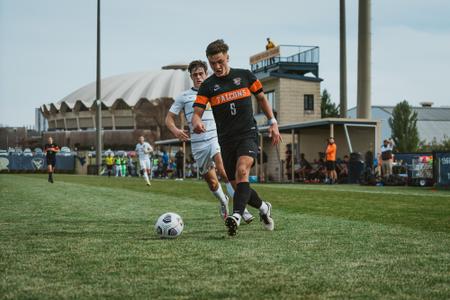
[[169, 225]]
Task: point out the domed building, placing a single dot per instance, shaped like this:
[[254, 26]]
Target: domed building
[[133, 104]]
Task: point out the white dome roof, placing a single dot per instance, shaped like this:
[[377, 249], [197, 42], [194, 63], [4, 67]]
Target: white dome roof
[[130, 88]]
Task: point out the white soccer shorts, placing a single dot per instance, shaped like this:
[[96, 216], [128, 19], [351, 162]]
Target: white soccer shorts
[[205, 156], [145, 163]]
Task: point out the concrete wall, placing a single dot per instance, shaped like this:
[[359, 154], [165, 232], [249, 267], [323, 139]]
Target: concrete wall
[[289, 99], [291, 104]]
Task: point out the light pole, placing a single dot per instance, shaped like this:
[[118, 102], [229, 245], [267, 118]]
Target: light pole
[[98, 95], [342, 61], [364, 60]]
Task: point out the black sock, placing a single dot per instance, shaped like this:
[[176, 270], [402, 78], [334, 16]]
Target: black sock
[[241, 197], [254, 200]]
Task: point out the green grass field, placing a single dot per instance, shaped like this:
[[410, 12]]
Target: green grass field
[[90, 237]]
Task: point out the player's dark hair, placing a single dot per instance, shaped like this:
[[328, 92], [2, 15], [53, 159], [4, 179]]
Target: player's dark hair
[[216, 47], [197, 64]]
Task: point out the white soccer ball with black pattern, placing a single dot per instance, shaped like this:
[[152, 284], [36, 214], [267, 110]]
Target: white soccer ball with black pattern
[[169, 225]]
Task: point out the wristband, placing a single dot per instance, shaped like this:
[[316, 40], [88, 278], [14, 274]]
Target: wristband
[[273, 121]]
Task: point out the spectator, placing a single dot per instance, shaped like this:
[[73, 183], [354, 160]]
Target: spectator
[[288, 161], [123, 164], [386, 158], [270, 44], [343, 167], [305, 167], [130, 166], [165, 164], [331, 160], [118, 165], [109, 163], [179, 159]]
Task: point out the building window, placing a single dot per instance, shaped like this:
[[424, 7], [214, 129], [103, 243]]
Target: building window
[[309, 102], [270, 95]]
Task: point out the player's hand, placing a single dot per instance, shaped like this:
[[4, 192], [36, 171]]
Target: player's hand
[[274, 133], [199, 127], [182, 135]]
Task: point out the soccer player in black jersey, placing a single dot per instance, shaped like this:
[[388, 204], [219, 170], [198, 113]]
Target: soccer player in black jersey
[[50, 150], [229, 92]]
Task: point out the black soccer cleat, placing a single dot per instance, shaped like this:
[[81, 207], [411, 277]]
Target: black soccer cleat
[[232, 224]]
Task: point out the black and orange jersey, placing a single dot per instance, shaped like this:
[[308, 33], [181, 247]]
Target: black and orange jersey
[[231, 103], [51, 150]]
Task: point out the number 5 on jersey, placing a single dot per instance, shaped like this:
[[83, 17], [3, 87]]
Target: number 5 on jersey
[[233, 108]]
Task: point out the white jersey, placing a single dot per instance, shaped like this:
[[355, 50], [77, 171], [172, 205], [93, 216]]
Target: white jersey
[[184, 103], [143, 150]]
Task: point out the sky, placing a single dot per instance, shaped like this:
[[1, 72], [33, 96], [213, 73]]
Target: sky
[[48, 47]]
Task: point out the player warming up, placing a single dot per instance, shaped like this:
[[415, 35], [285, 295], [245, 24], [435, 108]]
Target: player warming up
[[205, 146], [229, 91], [143, 150], [50, 150]]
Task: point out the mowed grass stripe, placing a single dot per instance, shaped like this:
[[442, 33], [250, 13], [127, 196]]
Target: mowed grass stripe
[[87, 241], [413, 211]]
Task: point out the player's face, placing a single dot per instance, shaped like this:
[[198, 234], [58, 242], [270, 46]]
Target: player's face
[[219, 64], [198, 76], [50, 140], [141, 139]]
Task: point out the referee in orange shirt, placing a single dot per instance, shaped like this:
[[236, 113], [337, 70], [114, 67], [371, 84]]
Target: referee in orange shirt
[[331, 161]]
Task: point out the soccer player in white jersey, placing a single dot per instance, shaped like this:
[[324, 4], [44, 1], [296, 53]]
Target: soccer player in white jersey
[[143, 150], [205, 146]]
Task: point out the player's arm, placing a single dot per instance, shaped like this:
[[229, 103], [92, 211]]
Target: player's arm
[[197, 123], [181, 134], [274, 133], [199, 108]]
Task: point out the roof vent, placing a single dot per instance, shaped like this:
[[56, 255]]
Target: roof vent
[[426, 104]]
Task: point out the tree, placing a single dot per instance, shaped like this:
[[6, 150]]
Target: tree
[[403, 124], [328, 109]]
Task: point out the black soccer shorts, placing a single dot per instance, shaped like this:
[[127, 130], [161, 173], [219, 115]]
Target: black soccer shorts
[[231, 152], [51, 161], [331, 165]]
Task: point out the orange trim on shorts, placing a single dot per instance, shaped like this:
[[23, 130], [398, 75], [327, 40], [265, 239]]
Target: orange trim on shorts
[[230, 96]]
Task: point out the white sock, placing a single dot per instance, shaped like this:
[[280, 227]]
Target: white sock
[[220, 195], [238, 217], [146, 177], [264, 208], [230, 189]]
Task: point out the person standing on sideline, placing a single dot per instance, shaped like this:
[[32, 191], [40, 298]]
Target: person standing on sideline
[[50, 150], [165, 164], [228, 92], [109, 163], [143, 150], [179, 161], [118, 166], [330, 155], [123, 165], [205, 146], [386, 158]]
